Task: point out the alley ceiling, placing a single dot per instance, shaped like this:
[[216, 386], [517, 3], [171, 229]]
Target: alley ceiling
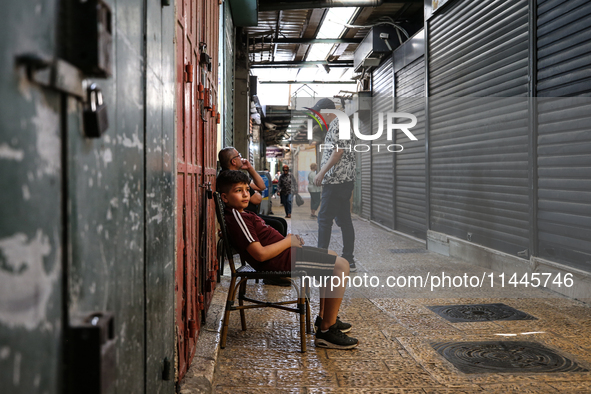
[[284, 30], [308, 41]]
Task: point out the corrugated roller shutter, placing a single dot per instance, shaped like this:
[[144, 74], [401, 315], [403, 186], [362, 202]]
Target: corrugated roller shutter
[[564, 140], [479, 147], [564, 184], [411, 217], [228, 76], [382, 162], [564, 48], [364, 159], [479, 48]]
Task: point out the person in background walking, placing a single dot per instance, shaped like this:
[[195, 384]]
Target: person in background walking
[[285, 189], [314, 191]]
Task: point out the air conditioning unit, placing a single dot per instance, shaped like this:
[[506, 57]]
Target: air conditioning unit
[[379, 42]]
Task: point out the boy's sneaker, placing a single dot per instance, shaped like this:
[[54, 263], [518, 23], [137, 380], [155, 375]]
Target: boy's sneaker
[[352, 265], [334, 339], [343, 327]]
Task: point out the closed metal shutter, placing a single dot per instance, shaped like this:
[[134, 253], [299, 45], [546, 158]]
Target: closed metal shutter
[[479, 48], [478, 148], [228, 133], [564, 48], [364, 159], [564, 184], [564, 140], [411, 217], [382, 162]]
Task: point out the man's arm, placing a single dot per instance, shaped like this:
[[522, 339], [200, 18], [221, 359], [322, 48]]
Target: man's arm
[[263, 253], [256, 198], [257, 182], [335, 157]]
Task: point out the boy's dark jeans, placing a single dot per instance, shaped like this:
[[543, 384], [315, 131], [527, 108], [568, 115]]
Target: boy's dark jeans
[[335, 205]]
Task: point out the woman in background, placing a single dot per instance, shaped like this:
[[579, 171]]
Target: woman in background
[[315, 191]]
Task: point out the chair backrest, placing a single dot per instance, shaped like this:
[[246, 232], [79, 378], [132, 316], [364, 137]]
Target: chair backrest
[[219, 211]]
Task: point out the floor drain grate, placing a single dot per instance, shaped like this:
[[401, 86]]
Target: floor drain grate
[[479, 312], [408, 250], [507, 356]]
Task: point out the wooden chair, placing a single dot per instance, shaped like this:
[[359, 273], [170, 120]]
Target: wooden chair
[[244, 272]]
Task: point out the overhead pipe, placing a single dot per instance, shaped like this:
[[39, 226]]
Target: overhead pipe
[[254, 41], [301, 5]]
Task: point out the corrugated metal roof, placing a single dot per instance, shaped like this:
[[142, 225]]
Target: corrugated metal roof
[[302, 24], [305, 24]]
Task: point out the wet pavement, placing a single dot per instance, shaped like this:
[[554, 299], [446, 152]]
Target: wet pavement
[[397, 330]]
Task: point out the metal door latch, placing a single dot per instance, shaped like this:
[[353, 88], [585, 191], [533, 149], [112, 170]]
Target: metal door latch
[[96, 120], [91, 364]]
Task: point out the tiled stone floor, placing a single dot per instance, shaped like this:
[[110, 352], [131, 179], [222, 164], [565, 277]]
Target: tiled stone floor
[[395, 329]]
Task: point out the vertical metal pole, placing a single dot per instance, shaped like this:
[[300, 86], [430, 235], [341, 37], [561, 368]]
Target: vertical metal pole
[[427, 135], [144, 55], [372, 113], [65, 240], [533, 129], [394, 176]]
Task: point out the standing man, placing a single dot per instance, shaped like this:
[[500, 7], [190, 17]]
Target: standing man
[[337, 177], [285, 188]]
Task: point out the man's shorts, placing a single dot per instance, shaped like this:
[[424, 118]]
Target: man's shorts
[[315, 261]]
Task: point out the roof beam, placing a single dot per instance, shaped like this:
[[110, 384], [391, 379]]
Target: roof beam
[[310, 82], [295, 64], [312, 26], [361, 19], [254, 41], [302, 5], [279, 15]]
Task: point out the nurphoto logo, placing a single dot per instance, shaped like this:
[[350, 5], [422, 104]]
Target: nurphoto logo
[[345, 129]]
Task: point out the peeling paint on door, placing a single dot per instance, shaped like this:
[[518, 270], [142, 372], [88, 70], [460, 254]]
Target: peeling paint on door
[[29, 286]]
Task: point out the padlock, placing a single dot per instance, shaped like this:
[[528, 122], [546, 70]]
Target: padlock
[[96, 121]]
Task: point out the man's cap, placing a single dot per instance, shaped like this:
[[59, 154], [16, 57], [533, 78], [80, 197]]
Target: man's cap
[[324, 103]]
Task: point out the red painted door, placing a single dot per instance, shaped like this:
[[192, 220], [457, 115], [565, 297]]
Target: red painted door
[[209, 126], [196, 33]]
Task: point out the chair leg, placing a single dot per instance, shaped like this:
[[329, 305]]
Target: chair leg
[[303, 317], [241, 294], [221, 257], [229, 302], [308, 313]]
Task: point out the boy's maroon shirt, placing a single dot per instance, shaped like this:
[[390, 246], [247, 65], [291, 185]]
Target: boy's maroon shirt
[[245, 228]]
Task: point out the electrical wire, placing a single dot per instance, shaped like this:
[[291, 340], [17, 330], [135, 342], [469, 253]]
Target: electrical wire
[[390, 21]]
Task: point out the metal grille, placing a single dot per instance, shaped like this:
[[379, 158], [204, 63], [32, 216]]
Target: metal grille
[[479, 163], [410, 163], [479, 312], [382, 162], [507, 356]]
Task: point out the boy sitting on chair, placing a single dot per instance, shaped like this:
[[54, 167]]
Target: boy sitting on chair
[[265, 249]]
